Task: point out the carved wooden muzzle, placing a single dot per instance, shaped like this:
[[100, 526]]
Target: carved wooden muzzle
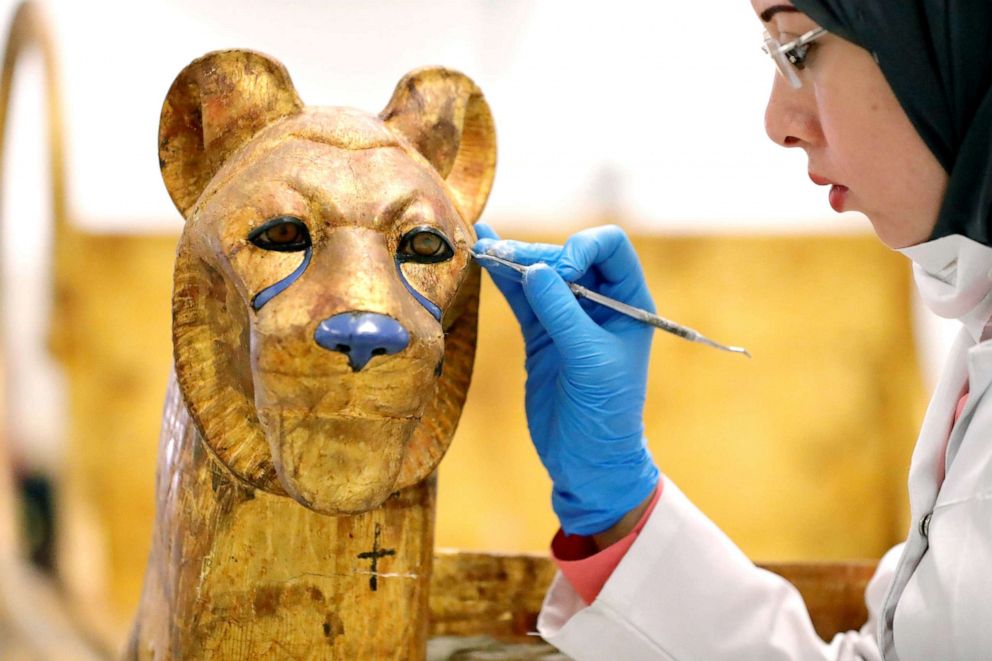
[[325, 300]]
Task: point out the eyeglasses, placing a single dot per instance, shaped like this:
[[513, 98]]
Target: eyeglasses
[[790, 58]]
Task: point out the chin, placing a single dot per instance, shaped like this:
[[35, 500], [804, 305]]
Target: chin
[[897, 231]]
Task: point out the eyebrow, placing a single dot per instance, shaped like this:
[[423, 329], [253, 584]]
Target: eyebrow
[[395, 209], [771, 11]]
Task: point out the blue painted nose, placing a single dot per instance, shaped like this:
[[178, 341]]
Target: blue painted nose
[[361, 335]]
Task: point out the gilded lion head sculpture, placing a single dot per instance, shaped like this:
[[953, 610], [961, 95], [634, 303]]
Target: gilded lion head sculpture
[[325, 301]]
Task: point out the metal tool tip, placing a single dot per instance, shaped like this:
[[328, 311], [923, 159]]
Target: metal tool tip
[[716, 345], [740, 350]]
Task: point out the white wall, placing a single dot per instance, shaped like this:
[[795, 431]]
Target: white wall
[[647, 110], [655, 107]]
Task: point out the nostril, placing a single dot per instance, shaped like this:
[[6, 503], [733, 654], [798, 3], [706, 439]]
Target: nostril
[[361, 336]]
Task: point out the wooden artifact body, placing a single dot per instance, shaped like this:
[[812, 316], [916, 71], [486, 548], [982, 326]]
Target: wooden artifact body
[[324, 320], [239, 573]]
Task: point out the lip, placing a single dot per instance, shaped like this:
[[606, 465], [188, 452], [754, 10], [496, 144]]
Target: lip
[[821, 181], [838, 192], [838, 197]]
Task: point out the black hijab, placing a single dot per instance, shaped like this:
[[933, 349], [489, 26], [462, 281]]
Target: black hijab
[[937, 57]]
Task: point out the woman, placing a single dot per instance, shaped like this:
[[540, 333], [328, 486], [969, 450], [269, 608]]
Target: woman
[[891, 102]]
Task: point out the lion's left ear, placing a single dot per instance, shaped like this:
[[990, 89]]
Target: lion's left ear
[[215, 105], [446, 118]]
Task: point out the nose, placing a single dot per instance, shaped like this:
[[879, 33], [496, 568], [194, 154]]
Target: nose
[[362, 335], [791, 116]]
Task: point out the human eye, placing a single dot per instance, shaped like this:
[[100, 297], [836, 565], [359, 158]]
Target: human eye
[[799, 54]]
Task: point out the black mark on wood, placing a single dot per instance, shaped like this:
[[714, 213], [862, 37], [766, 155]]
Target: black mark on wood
[[374, 555]]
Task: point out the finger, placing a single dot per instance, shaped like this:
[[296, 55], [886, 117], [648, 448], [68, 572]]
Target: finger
[[606, 247], [507, 281], [609, 251], [524, 253], [484, 231], [496, 269], [558, 310]]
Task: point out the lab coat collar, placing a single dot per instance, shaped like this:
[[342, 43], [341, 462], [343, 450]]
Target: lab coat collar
[[954, 277]]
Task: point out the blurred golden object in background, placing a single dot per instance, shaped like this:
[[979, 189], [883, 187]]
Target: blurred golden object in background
[[111, 329]]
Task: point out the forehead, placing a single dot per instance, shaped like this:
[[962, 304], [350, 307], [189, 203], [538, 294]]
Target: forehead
[[354, 181], [373, 185]]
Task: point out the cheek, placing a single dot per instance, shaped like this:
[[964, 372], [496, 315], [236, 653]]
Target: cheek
[[434, 285], [850, 130], [893, 177], [876, 145], [855, 106], [265, 271]]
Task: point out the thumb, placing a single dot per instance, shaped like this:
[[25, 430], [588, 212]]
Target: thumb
[[557, 309]]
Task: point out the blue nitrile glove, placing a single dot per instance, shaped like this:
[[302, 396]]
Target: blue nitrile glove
[[586, 370]]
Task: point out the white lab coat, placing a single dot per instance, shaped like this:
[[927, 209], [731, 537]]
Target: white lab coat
[[685, 592]]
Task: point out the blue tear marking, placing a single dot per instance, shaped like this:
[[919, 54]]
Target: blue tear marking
[[430, 307], [270, 292]]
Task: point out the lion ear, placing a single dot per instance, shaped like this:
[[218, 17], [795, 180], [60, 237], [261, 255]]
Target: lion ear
[[215, 105], [444, 115]]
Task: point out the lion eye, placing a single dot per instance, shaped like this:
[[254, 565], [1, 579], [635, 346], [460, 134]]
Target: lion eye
[[282, 234], [425, 245]]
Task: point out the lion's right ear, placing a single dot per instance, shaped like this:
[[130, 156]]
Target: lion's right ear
[[447, 119], [215, 105]]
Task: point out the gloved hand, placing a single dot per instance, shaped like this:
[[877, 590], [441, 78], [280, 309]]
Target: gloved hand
[[586, 370]]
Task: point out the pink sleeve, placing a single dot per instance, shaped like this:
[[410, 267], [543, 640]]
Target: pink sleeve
[[588, 569]]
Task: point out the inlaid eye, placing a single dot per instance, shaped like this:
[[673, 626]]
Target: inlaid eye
[[425, 245], [282, 234]]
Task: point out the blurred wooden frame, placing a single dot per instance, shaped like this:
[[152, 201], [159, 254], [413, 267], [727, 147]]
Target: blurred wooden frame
[[500, 595], [105, 499]]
